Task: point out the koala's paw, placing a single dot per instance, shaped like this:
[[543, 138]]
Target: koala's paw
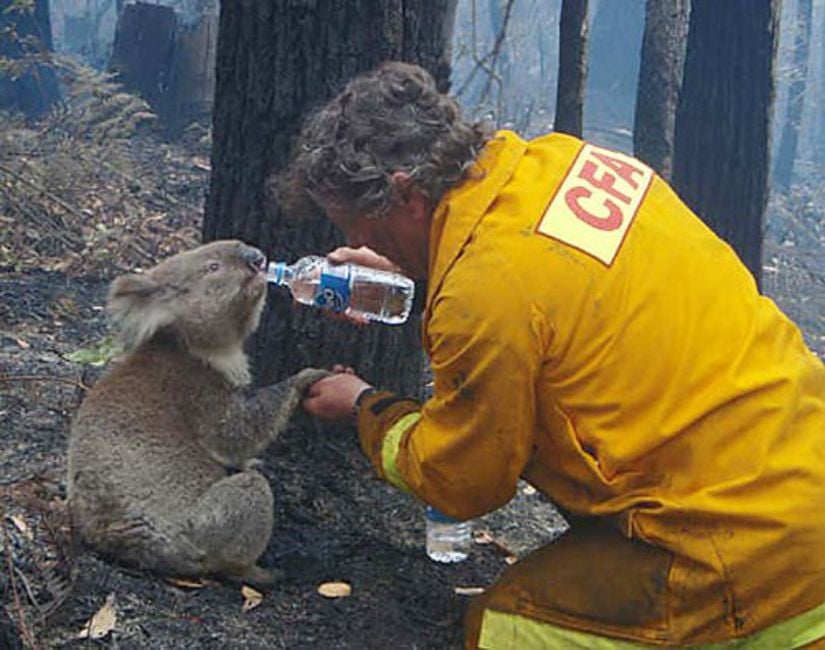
[[252, 464], [306, 377], [256, 576]]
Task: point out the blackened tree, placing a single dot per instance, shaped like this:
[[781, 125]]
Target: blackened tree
[[660, 80], [723, 119], [276, 60], [572, 67], [28, 82]]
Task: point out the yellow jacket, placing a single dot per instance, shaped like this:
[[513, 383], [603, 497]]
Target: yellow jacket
[[589, 333]]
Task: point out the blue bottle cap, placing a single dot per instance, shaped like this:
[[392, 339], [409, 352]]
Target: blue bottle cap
[[275, 272]]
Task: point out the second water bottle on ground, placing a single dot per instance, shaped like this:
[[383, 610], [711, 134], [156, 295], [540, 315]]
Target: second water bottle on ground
[[448, 539]]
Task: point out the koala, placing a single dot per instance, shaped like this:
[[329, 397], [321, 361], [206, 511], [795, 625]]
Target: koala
[[161, 451]]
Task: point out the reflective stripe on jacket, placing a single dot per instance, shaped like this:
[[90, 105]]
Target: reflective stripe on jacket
[[616, 354]]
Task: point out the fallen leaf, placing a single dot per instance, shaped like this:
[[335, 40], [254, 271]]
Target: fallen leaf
[[251, 598], [22, 526], [202, 164], [483, 537], [186, 583], [469, 591], [99, 355], [103, 621], [334, 589]]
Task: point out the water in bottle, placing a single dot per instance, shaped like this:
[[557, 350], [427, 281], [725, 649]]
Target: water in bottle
[[357, 291], [448, 539]]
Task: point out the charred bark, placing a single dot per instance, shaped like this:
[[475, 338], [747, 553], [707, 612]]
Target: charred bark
[[143, 50], [276, 60], [192, 78], [572, 67], [29, 84], [723, 120], [660, 80]]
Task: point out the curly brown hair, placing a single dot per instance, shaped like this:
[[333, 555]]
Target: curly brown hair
[[387, 120]]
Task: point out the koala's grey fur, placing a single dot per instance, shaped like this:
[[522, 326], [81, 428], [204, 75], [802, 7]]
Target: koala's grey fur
[[159, 453]]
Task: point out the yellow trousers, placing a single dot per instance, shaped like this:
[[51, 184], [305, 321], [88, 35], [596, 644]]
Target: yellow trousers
[[594, 589]]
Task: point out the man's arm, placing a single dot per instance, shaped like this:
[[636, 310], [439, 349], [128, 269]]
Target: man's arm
[[464, 450]]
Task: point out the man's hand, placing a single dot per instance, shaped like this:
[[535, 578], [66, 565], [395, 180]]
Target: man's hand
[[362, 256], [332, 398]]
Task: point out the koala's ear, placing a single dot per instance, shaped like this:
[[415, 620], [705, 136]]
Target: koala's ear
[[134, 285], [137, 308]]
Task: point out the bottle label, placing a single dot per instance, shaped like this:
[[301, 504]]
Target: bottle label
[[333, 290], [438, 517]]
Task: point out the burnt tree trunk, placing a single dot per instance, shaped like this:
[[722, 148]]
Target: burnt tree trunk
[[786, 153], [723, 120], [276, 60], [143, 50], [660, 80], [572, 67], [29, 85], [192, 79]]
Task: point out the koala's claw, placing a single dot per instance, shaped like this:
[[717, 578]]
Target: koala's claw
[[308, 376]]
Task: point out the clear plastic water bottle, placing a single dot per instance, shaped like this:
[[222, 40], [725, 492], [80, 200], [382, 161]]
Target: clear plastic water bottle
[[355, 290], [448, 539]]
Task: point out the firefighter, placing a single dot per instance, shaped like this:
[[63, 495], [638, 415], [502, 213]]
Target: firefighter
[[589, 334]]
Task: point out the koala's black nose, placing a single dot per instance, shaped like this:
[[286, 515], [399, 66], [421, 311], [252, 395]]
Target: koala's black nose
[[254, 257]]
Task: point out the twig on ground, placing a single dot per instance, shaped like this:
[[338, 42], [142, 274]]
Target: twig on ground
[[25, 631], [59, 231], [74, 382], [27, 587], [35, 186]]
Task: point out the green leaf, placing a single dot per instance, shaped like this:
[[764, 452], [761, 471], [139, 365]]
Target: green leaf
[[99, 355]]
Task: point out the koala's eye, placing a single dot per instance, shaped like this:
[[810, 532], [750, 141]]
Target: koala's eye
[[213, 266]]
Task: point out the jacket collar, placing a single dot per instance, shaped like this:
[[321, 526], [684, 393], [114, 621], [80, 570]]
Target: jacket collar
[[460, 210]]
